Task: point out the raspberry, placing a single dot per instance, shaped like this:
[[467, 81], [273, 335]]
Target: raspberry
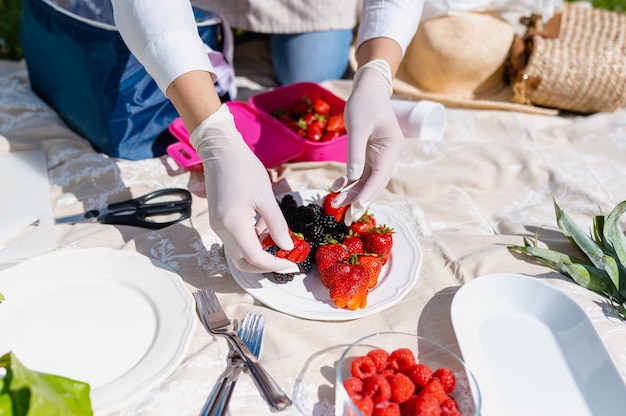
[[378, 388], [387, 409], [353, 386], [362, 367], [446, 378], [435, 388], [449, 404], [453, 412], [407, 407], [420, 374], [401, 359], [427, 405], [364, 404], [380, 358], [401, 387]]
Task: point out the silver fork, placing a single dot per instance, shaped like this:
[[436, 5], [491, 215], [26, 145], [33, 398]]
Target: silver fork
[[216, 322], [251, 333]]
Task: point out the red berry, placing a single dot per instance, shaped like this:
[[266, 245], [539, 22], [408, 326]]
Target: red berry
[[380, 358], [362, 367], [402, 387], [364, 404], [321, 106], [401, 360], [353, 386], [435, 388], [449, 404], [387, 408], [420, 374], [427, 405], [377, 387], [446, 378]]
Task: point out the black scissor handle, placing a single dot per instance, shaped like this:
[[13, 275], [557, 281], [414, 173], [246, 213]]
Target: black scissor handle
[[137, 211]]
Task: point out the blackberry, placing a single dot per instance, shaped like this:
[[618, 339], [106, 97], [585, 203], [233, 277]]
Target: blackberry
[[315, 234], [306, 214], [283, 277], [306, 265]]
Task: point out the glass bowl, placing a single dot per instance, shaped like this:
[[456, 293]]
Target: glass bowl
[[466, 393]]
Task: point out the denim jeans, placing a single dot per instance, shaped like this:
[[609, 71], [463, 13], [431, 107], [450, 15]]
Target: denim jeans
[[313, 56]]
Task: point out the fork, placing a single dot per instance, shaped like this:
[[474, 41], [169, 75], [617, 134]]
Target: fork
[[251, 333], [216, 322]]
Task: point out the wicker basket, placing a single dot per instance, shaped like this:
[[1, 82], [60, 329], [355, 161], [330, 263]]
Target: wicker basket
[[576, 62]]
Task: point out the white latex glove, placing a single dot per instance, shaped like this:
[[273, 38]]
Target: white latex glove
[[375, 140], [239, 195]]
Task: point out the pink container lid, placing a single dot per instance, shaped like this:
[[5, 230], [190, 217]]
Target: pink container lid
[[269, 141]]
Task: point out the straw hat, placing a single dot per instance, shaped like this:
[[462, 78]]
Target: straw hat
[[459, 60]]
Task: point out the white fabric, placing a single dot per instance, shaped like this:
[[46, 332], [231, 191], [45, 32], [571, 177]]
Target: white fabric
[[286, 16], [163, 36]]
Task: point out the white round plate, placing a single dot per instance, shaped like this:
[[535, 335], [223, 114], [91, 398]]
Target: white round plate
[[107, 317], [306, 297]]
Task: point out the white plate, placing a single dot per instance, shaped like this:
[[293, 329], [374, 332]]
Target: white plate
[[533, 349], [107, 317], [306, 297]]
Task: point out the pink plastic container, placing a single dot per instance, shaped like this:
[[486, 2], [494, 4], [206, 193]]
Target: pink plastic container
[[270, 140], [263, 135], [282, 97]]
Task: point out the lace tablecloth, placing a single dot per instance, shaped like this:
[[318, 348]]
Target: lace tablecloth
[[490, 180]]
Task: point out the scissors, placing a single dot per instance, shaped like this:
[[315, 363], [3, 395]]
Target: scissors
[[142, 211]]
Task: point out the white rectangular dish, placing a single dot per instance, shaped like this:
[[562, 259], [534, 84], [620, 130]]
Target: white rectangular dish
[[533, 349]]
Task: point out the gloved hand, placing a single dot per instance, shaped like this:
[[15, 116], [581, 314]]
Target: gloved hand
[[238, 188], [375, 140]]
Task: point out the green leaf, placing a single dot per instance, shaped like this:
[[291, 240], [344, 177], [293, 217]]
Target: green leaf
[[27, 392], [615, 242], [584, 243], [586, 275], [598, 230]]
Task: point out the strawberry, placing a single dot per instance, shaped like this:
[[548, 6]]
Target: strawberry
[[379, 240], [329, 135], [308, 118], [362, 367], [330, 253], [314, 131], [380, 358], [353, 244], [420, 374], [328, 209], [377, 387], [401, 359], [347, 284], [299, 253], [446, 378], [402, 387], [363, 224], [300, 107], [373, 263], [321, 106], [335, 123]]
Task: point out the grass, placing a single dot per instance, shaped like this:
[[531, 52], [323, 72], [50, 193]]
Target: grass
[[10, 11]]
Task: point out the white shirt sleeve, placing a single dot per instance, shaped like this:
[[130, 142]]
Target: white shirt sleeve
[[395, 19], [163, 36]]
